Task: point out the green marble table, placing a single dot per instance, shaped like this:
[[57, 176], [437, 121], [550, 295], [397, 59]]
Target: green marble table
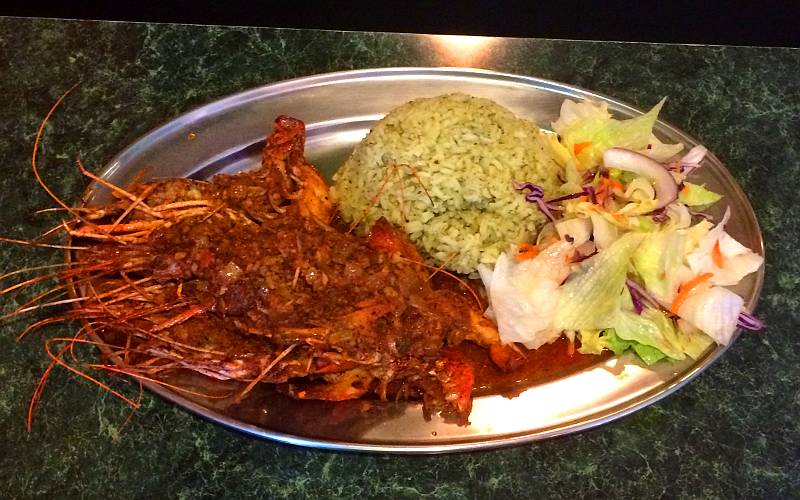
[[733, 432]]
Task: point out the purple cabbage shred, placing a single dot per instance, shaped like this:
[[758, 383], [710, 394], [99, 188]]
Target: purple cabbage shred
[[589, 189], [749, 322], [586, 191], [638, 304], [535, 195], [640, 295]]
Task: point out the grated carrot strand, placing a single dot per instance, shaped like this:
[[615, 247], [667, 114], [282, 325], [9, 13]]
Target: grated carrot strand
[[685, 289], [526, 251], [716, 256]]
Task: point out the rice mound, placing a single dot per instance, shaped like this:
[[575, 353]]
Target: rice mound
[[443, 168]]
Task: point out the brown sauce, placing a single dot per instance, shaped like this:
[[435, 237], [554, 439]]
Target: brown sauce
[[548, 362], [268, 408]]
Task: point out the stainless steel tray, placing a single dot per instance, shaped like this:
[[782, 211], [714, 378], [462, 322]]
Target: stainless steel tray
[[338, 109]]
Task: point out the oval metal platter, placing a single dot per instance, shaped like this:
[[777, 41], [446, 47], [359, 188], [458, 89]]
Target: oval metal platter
[[339, 109]]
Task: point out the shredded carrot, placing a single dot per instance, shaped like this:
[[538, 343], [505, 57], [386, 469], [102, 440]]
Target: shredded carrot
[[609, 184], [605, 189], [620, 218], [615, 184], [526, 251], [685, 289], [578, 147], [601, 195], [716, 255]]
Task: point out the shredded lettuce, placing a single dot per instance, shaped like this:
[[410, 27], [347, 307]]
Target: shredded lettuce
[[661, 250], [718, 247], [658, 262], [592, 341], [648, 354], [660, 151], [523, 295], [590, 122], [696, 195], [640, 196], [639, 207], [639, 189], [652, 335], [604, 232], [617, 345], [592, 295], [690, 339], [651, 328], [642, 224], [696, 233], [678, 217], [595, 341], [558, 152], [713, 310], [575, 230]]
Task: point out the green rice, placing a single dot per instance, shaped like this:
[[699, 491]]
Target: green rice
[[466, 152]]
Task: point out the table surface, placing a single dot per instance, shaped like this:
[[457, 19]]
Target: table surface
[[733, 432]]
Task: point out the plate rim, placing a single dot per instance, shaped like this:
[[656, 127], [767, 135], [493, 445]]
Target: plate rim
[[279, 87]]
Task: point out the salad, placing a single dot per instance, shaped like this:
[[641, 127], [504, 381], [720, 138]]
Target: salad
[[629, 261]]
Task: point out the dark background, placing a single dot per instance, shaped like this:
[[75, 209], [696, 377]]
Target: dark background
[[765, 23]]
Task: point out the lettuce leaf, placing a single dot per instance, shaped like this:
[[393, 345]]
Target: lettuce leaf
[[713, 310], [617, 345], [595, 341], [696, 233], [660, 151], [579, 230], [652, 335], [696, 195], [658, 261], [592, 295], [651, 328], [690, 339], [523, 295], [678, 217], [604, 232], [592, 341], [716, 245], [590, 122], [549, 141], [648, 354]]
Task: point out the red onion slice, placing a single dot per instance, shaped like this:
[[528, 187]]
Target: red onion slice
[[692, 159], [631, 161]]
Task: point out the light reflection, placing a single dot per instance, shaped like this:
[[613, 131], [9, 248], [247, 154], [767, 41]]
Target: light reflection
[[463, 50], [582, 396], [586, 398]]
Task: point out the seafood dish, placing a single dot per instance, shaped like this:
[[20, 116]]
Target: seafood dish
[[376, 290], [247, 277]]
